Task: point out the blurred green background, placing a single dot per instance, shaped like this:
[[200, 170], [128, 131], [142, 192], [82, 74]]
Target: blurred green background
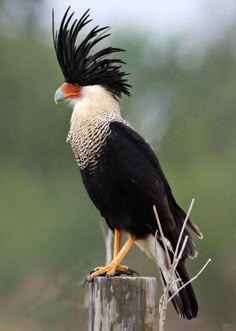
[[182, 101]]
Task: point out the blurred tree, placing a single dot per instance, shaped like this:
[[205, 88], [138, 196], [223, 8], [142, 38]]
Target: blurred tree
[[20, 15]]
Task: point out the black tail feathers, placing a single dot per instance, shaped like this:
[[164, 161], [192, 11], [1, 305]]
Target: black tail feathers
[[184, 302]]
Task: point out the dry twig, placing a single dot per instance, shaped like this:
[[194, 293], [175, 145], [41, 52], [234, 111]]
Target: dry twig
[[108, 238], [177, 254], [191, 280]]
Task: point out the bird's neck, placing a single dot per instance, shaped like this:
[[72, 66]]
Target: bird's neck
[[90, 124], [94, 104]]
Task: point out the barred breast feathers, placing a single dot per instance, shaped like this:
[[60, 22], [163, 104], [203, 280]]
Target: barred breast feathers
[[90, 120]]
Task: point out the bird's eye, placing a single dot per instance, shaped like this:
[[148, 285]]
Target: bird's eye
[[76, 85]]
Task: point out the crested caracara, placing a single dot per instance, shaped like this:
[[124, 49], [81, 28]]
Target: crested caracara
[[120, 171]]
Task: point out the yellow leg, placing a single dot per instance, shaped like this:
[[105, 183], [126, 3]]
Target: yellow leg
[[117, 242], [115, 265]]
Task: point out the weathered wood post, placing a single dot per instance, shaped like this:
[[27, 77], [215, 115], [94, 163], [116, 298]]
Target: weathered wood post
[[123, 304]]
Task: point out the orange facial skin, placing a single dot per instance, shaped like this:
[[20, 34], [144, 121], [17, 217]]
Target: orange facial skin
[[70, 91]]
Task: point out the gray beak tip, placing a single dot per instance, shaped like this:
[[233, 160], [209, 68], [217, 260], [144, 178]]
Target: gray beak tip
[[59, 95]]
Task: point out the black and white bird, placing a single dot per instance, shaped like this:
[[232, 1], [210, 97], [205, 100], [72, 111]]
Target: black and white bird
[[120, 171]]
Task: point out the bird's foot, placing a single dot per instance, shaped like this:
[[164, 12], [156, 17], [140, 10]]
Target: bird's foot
[[111, 269], [128, 272]]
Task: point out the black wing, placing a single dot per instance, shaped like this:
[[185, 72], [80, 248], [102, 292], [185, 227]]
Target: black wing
[[145, 184]]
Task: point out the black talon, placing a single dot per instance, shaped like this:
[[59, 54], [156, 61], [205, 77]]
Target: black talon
[[84, 281], [128, 272], [133, 272]]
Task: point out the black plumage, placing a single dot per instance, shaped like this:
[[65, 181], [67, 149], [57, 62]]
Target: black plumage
[[77, 63], [120, 171], [130, 174], [124, 186]]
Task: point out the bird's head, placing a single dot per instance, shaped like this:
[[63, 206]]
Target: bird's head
[[81, 68]]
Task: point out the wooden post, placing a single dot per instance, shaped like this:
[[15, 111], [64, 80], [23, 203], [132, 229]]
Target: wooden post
[[123, 304]]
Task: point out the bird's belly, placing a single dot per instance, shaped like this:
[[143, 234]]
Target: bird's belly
[[104, 186]]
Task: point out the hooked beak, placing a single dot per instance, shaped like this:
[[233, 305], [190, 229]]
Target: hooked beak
[[59, 95]]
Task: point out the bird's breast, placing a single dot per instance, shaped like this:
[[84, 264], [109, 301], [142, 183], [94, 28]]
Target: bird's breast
[[88, 137]]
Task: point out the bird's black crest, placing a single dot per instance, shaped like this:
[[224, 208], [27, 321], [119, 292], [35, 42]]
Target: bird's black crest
[[81, 67]]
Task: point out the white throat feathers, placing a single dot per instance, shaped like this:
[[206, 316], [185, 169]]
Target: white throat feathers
[[90, 120]]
